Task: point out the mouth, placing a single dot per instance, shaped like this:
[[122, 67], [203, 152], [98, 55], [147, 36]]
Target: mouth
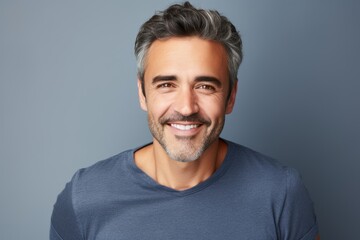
[[184, 127]]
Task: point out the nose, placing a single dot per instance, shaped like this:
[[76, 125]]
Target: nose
[[186, 102]]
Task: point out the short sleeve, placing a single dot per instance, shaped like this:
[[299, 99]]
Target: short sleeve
[[298, 220], [64, 225]]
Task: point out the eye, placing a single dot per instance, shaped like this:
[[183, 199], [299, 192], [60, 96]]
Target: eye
[[206, 87], [165, 85]]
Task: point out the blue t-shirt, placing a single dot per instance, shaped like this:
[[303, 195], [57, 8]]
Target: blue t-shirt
[[250, 196]]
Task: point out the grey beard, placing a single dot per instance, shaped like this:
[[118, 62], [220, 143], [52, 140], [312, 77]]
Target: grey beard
[[187, 155]]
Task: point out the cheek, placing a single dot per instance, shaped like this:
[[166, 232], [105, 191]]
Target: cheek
[[213, 107], [158, 106]]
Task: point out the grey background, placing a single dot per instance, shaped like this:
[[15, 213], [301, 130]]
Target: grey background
[[68, 98]]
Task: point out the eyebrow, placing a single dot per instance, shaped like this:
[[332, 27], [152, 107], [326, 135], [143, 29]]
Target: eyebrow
[[209, 79], [161, 78]]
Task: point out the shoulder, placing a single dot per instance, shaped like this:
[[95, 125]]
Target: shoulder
[[85, 188], [265, 177], [104, 167], [269, 181], [88, 182], [253, 164], [98, 172], [260, 166], [99, 179]]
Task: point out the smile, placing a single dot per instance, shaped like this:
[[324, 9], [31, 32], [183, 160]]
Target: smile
[[184, 127]]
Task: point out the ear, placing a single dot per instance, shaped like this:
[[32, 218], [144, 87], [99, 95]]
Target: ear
[[142, 98], [231, 101]]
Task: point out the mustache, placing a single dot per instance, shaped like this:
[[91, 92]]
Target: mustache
[[196, 117]]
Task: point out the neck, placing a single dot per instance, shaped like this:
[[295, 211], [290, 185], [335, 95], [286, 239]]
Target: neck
[[180, 175]]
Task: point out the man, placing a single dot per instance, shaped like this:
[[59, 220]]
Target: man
[[188, 183]]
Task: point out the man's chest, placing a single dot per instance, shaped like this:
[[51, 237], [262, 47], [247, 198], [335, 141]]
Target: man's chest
[[180, 218]]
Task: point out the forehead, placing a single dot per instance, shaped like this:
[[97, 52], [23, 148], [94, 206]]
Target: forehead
[[186, 55]]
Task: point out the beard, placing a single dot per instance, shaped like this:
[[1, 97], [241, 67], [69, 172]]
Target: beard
[[181, 148]]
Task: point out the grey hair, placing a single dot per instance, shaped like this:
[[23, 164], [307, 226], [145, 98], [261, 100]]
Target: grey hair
[[185, 20]]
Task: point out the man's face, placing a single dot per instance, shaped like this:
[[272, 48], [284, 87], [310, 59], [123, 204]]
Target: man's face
[[186, 85]]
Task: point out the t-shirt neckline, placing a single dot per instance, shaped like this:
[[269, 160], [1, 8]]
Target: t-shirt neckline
[[142, 178]]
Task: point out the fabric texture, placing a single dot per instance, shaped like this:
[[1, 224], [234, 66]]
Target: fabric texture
[[250, 196]]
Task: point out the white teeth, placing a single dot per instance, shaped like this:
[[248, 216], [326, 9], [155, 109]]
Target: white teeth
[[184, 127]]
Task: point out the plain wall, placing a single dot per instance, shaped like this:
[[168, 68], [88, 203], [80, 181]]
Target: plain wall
[[68, 98]]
